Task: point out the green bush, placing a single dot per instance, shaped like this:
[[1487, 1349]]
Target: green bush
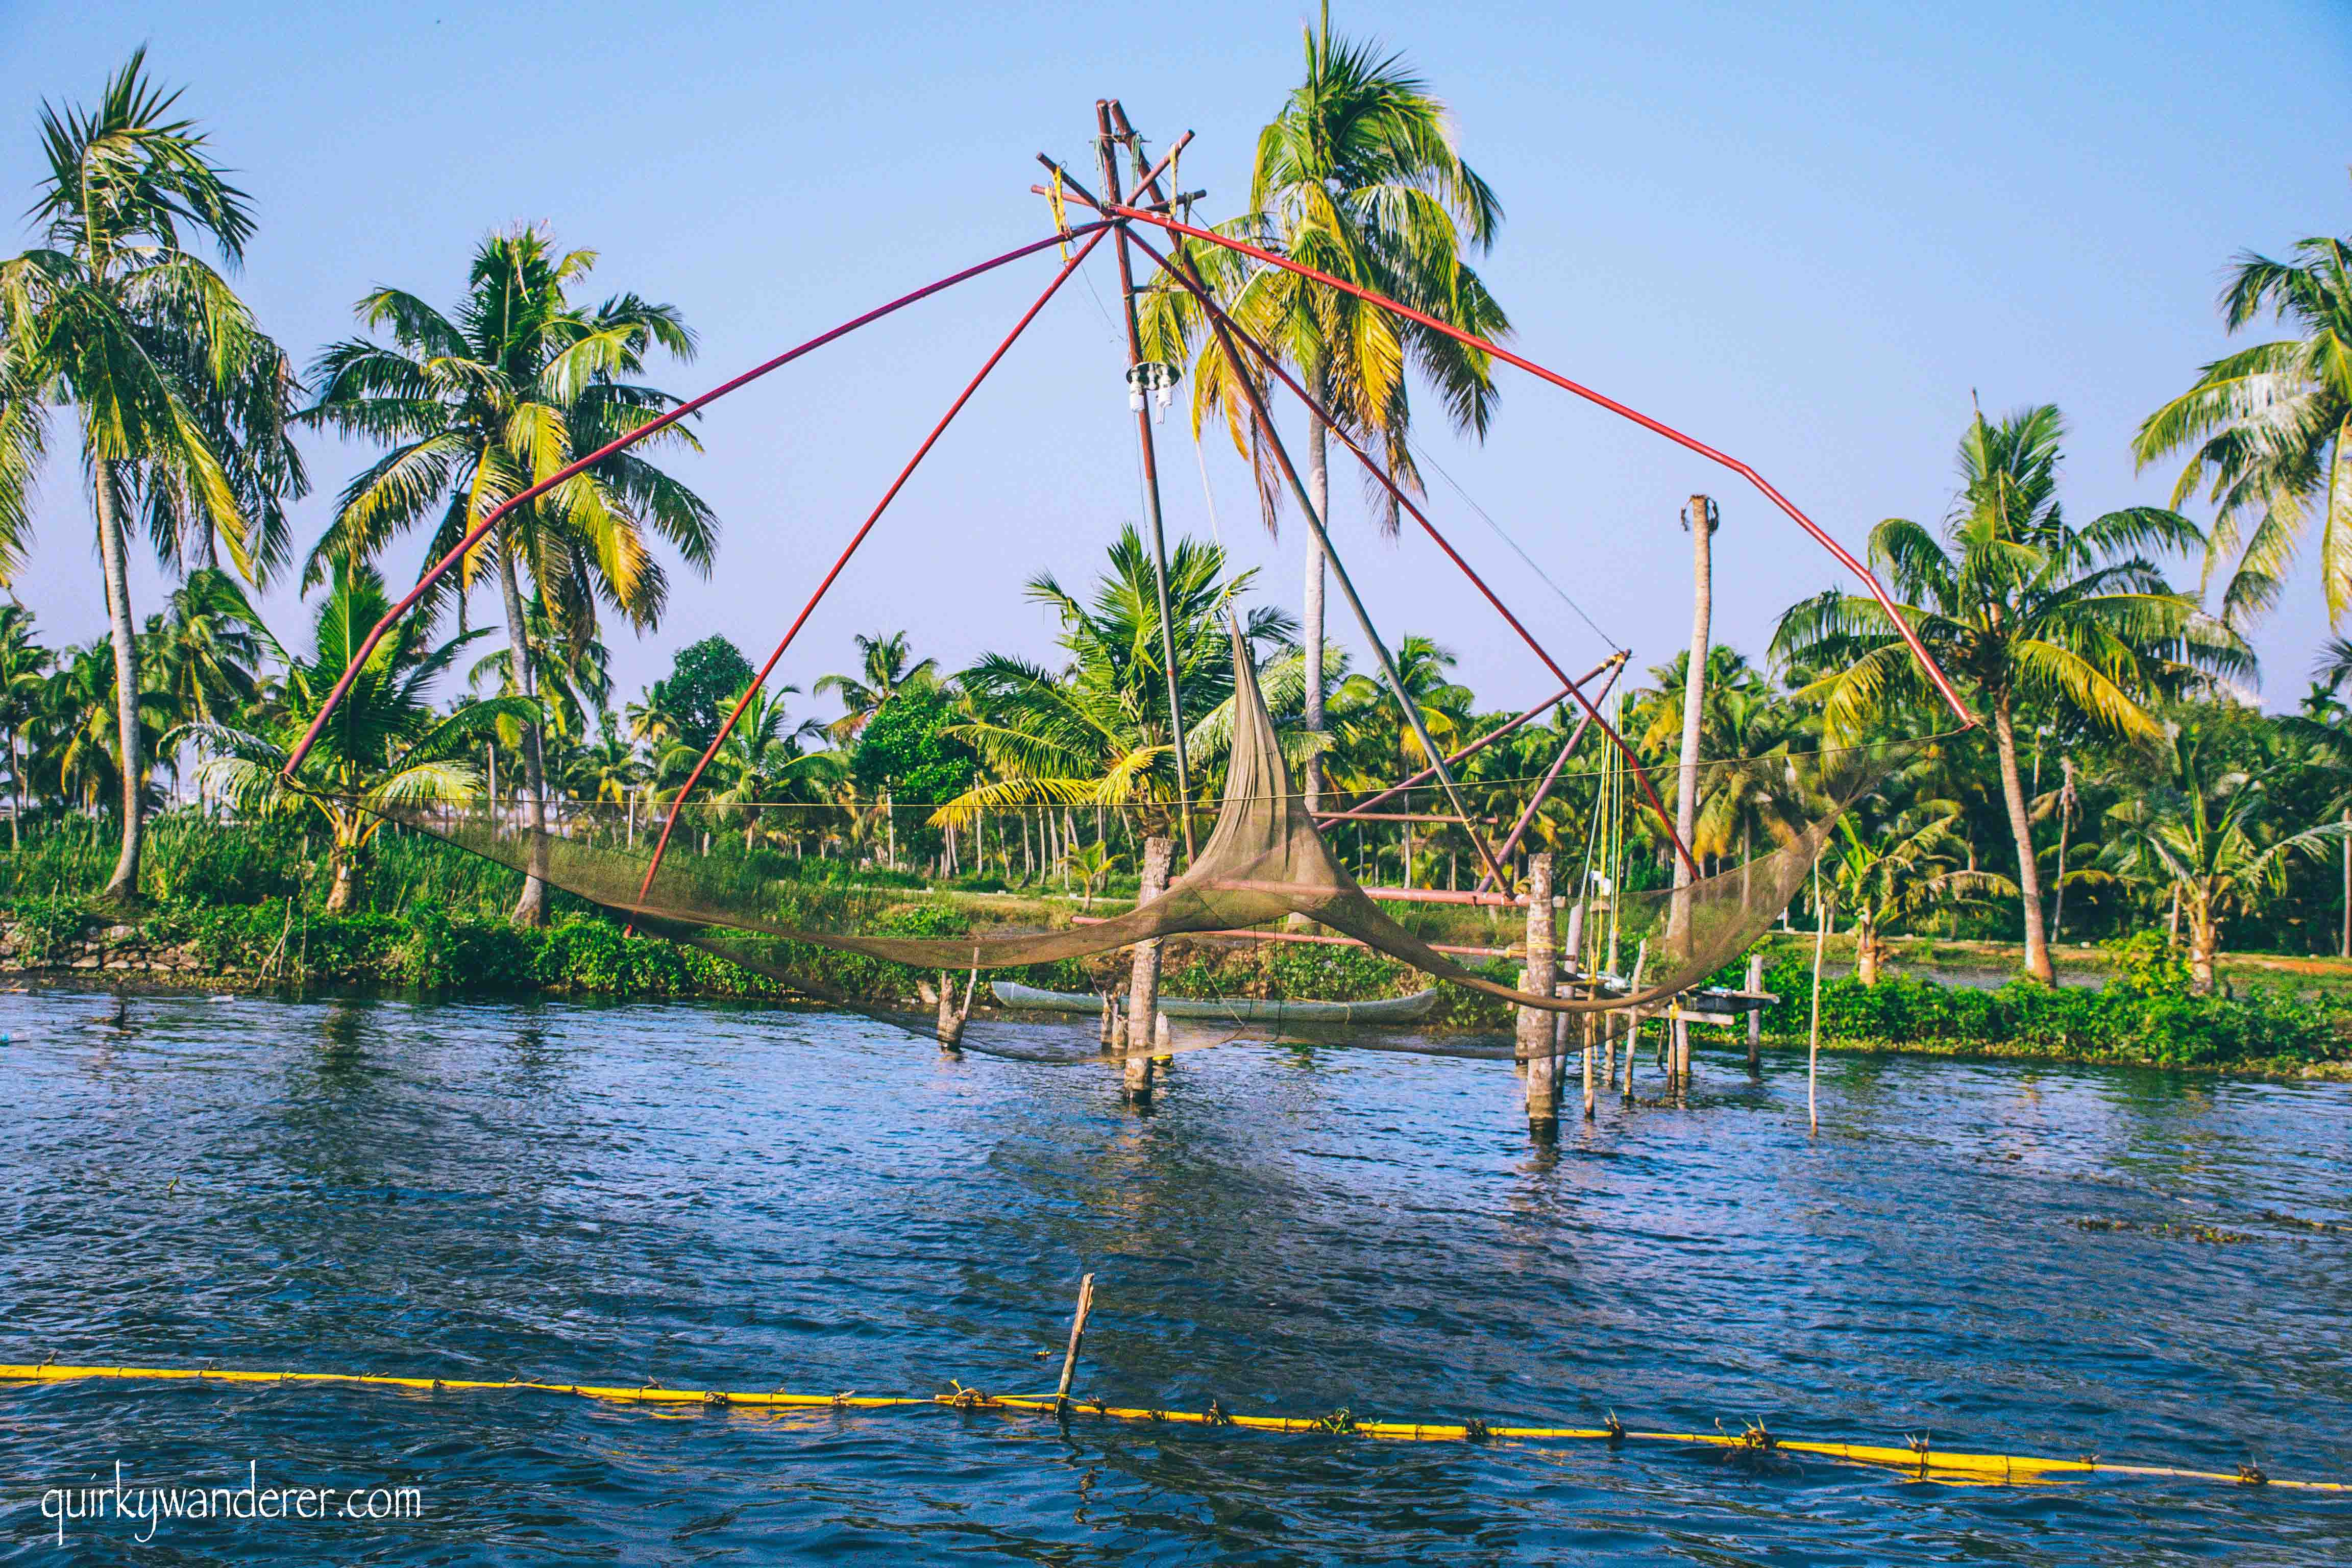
[[2143, 1014]]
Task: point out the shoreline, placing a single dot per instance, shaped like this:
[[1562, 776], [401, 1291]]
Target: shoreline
[[124, 980]]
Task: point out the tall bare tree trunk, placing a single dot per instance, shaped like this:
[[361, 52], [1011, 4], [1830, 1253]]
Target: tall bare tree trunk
[[2342, 951], [2021, 826], [1311, 626], [2204, 941], [2066, 821], [123, 885], [1702, 530], [530, 910]]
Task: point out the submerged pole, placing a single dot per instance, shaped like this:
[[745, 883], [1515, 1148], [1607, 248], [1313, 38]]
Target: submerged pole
[[1536, 1045]]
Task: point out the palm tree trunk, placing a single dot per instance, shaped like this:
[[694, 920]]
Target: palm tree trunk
[[2058, 898], [530, 910], [2029, 874], [2343, 950], [123, 885], [2204, 939], [1678, 912], [1310, 628]]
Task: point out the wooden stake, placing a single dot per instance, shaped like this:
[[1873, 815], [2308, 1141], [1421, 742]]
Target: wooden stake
[[1755, 1017], [1143, 975], [1813, 1047], [1632, 1018], [1078, 1332], [1588, 1024]]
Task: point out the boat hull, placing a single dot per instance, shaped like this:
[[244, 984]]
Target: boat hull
[[1387, 1010]]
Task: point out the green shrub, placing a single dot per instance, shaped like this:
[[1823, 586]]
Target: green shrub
[[46, 928]]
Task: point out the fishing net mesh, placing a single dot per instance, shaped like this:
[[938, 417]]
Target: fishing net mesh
[[1263, 865]]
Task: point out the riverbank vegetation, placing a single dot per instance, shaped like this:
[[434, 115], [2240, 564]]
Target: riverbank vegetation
[[2125, 790]]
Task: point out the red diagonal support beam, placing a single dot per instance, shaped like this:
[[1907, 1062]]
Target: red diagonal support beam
[[1551, 777], [1218, 316], [1877, 591], [481, 530], [661, 846]]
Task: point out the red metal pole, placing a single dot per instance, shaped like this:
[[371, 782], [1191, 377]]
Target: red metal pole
[[760, 679], [1218, 316], [1464, 754], [481, 530], [1934, 672], [1535, 801]]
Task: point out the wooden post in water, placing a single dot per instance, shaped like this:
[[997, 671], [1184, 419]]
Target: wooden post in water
[[1535, 1043], [1143, 978], [952, 1018], [1755, 1017], [1590, 1021], [1632, 1018], [1813, 1043]]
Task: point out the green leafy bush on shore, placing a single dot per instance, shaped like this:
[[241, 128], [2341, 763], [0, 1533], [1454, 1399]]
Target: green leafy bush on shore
[[2145, 1014]]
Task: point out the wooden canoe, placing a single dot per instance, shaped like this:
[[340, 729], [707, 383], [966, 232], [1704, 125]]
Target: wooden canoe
[[1410, 1009]]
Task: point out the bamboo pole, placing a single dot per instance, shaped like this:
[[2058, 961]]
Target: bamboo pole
[[1078, 1334], [1813, 1043], [1633, 1016]]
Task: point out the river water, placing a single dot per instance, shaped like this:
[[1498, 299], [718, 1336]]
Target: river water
[[2006, 1256]]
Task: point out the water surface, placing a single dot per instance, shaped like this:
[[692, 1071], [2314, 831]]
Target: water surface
[[2028, 1259]]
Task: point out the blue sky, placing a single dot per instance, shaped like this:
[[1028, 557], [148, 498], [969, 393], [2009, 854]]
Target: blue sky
[[1806, 236]]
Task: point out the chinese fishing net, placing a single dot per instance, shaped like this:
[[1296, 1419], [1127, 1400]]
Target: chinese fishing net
[[1265, 865]]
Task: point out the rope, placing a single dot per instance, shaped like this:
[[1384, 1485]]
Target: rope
[[1421, 452], [1915, 1457]]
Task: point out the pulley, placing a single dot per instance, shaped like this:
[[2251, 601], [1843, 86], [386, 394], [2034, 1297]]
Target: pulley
[[1156, 377]]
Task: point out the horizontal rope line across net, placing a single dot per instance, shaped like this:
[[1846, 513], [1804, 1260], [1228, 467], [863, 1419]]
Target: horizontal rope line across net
[[1332, 798], [1915, 1459]]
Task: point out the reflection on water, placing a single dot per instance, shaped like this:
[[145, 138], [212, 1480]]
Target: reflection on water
[[2031, 1259]]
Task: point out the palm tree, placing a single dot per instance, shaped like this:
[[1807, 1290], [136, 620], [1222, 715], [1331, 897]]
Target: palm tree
[[1749, 789], [179, 401], [77, 756], [609, 769], [1357, 176], [205, 650], [571, 678], [2268, 424], [387, 749], [479, 404], [1911, 865], [2022, 606], [882, 663], [2203, 830], [23, 663], [1097, 732], [1375, 745], [762, 762]]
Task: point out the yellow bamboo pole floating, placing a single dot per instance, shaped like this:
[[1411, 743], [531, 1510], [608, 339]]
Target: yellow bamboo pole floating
[[1917, 1458]]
